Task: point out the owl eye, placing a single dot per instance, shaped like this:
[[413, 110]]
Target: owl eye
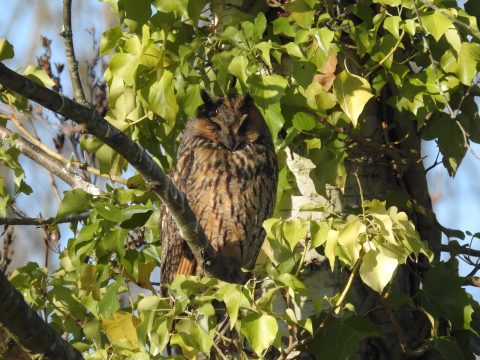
[[214, 126]]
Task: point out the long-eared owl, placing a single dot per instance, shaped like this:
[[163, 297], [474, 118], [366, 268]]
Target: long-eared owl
[[227, 168]]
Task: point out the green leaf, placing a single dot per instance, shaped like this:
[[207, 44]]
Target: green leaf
[[179, 7], [110, 40], [110, 303], [304, 121], [329, 168], [318, 98], [341, 338], [323, 37], [448, 348], [9, 157], [435, 23], [331, 246], [406, 3], [267, 92], [319, 231], [293, 50], [442, 295], [265, 48], [124, 66], [294, 231], [74, 202], [450, 140], [377, 269], [260, 330], [161, 98], [473, 8], [392, 24], [409, 26], [349, 237], [259, 27], [238, 68], [38, 75], [6, 50], [292, 282], [301, 11], [282, 26], [113, 240], [234, 298], [352, 93], [139, 11], [468, 60]]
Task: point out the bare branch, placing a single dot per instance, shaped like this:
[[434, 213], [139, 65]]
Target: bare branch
[[70, 53], [28, 329], [76, 164], [471, 281], [52, 165], [42, 221], [156, 179], [460, 251]]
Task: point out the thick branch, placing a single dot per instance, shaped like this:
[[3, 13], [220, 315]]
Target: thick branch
[[174, 200], [28, 329], [42, 221], [67, 34], [52, 165]]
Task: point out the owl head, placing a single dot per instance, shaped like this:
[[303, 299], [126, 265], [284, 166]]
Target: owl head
[[231, 122]]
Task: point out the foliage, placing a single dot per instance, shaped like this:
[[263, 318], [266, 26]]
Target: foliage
[[312, 71]]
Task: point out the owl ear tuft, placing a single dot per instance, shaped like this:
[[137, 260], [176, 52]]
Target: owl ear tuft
[[207, 99], [248, 99]]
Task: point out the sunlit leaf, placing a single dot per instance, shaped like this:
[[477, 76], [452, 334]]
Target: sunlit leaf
[[120, 329], [377, 269], [435, 23], [6, 49], [352, 93], [260, 330]]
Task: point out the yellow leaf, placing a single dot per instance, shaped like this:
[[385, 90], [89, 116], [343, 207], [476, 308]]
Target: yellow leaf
[[120, 330]]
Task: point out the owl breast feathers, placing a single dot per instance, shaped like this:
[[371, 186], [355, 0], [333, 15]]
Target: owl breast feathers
[[227, 168]]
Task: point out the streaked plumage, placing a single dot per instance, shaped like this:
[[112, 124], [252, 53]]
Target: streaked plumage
[[227, 168]]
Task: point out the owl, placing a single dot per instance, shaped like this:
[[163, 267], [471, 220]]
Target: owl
[[227, 168]]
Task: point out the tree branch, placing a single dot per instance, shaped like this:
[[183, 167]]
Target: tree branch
[[42, 221], [28, 329], [52, 165], [460, 251], [174, 200], [79, 165], [67, 34]]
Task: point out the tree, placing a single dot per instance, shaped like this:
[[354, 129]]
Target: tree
[[349, 89]]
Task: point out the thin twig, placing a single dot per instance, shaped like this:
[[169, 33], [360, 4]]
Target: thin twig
[[43, 221], [46, 161], [471, 31], [338, 304], [70, 54], [388, 150], [75, 164], [460, 251], [420, 350], [390, 53]]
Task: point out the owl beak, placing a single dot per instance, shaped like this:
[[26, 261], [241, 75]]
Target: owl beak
[[230, 142]]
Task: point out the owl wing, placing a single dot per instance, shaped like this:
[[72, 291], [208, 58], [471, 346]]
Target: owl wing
[[176, 255]]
